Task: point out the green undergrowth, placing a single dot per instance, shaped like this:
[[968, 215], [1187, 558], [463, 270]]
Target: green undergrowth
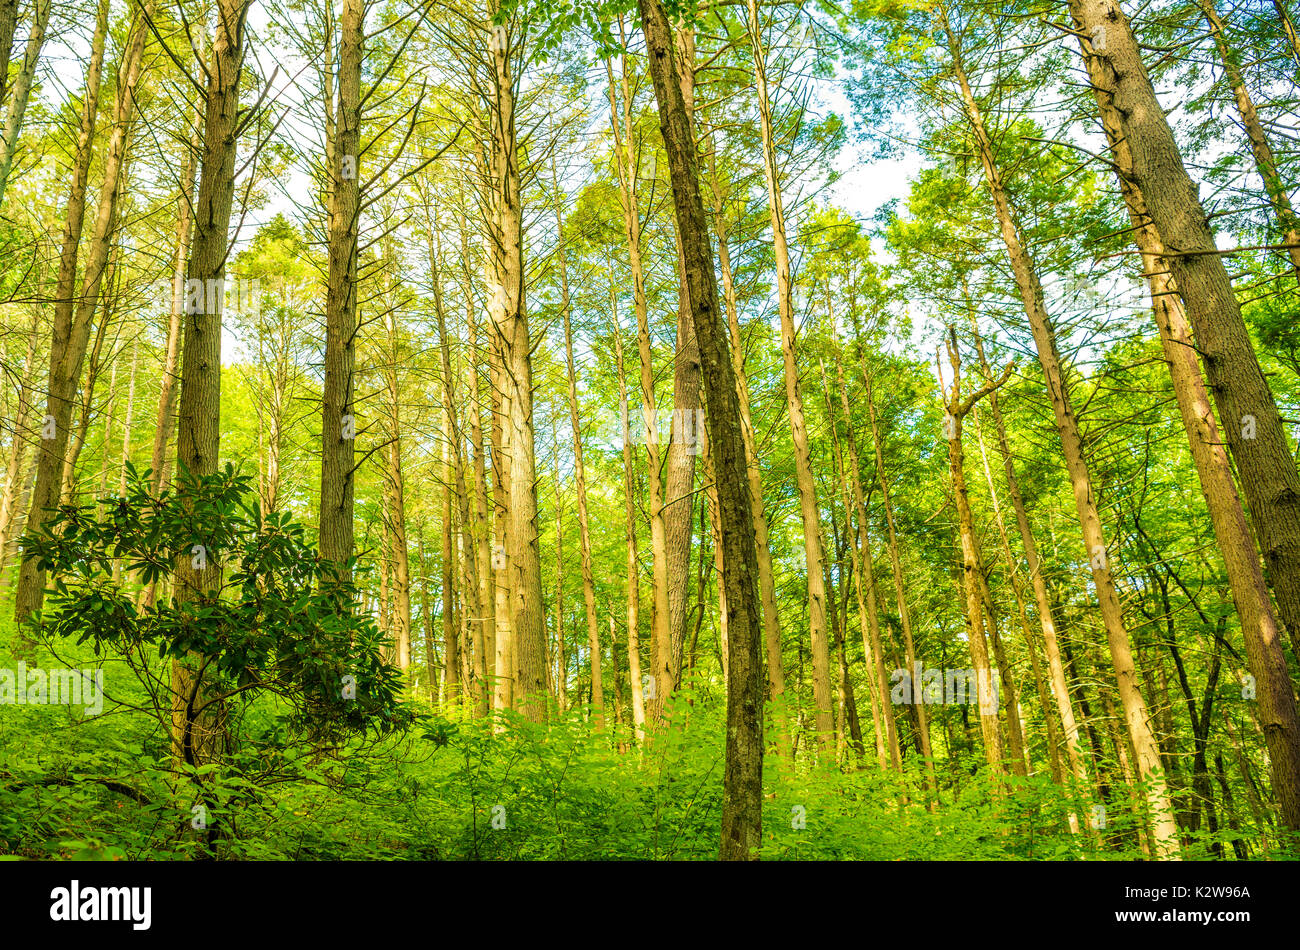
[[73, 785]]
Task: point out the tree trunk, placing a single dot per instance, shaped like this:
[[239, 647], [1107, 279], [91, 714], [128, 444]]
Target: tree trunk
[[808, 507], [202, 734], [480, 528], [629, 501], [64, 376], [1256, 437], [18, 447], [22, 93], [896, 568], [506, 264], [766, 576], [628, 171], [741, 833], [1136, 713], [580, 471], [339, 425], [684, 438], [1264, 652], [956, 409], [1056, 670]]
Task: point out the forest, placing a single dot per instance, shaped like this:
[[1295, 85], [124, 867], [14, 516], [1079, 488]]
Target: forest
[[649, 430]]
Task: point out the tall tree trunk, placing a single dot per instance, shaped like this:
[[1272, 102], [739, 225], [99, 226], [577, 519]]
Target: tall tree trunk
[[684, 437], [808, 507], [165, 421], [1136, 714], [1264, 652], [126, 441], [22, 93], [201, 736], [896, 568], [68, 344], [741, 833], [868, 617], [395, 520], [628, 171], [481, 530], [1056, 670], [451, 645], [14, 464], [474, 553], [956, 408], [69, 487], [1017, 590], [580, 471], [561, 668], [629, 526], [846, 474], [1256, 437], [766, 576], [339, 424], [506, 306], [503, 655]]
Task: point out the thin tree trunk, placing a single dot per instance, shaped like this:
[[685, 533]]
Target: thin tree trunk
[[628, 171], [18, 447], [126, 441], [1013, 574], [956, 408], [1136, 714], [580, 471], [22, 93], [896, 568], [481, 530], [451, 645], [766, 576], [64, 377], [629, 523], [1056, 670], [808, 506]]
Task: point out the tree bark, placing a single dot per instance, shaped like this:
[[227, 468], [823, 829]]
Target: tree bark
[[766, 576], [68, 344], [1136, 713], [1256, 437], [1260, 633], [741, 833], [22, 93], [339, 425], [808, 506], [202, 735], [509, 318]]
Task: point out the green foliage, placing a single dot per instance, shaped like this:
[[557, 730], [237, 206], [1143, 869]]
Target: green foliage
[[265, 613]]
